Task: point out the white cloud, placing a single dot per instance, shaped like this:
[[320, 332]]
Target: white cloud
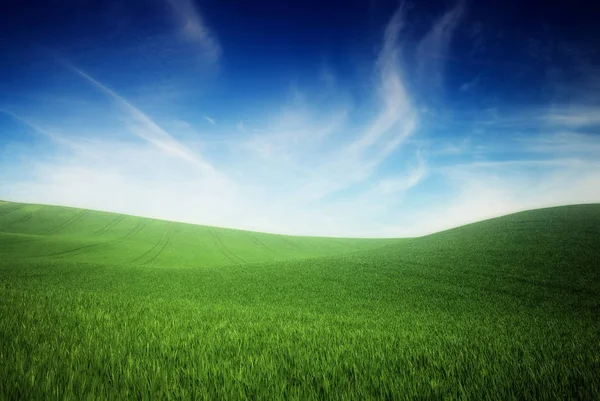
[[395, 121], [144, 127], [564, 143], [491, 190], [411, 178], [50, 134], [135, 178], [574, 116], [276, 178], [433, 49], [316, 164], [467, 86], [194, 28], [210, 120]]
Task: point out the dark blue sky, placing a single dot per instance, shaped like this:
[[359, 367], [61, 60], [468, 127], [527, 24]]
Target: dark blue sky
[[514, 47], [349, 102]]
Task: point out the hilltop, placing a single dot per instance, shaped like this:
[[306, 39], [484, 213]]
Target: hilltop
[[65, 233]]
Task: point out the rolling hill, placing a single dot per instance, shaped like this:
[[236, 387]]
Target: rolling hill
[[109, 306], [72, 234]]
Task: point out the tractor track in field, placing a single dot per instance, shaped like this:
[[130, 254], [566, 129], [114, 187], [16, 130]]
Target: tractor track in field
[[262, 244], [21, 219], [160, 251], [160, 245], [68, 222], [92, 247], [224, 250], [110, 225], [219, 247], [136, 230], [12, 209], [292, 243], [24, 241]]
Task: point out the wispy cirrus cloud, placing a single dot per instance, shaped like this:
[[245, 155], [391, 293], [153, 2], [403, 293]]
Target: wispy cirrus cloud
[[284, 170], [33, 126], [413, 176], [489, 189], [319, 152], [433, 49], [317, 162], [574, 116], [209, 119], [394, 121], [47, 133], [469, 85], [194, 28], [143, 126]]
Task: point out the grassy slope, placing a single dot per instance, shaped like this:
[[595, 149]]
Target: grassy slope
[[62, 233], [506, 308]]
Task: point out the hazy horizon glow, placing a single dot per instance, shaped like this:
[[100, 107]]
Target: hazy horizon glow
[[385, 121]]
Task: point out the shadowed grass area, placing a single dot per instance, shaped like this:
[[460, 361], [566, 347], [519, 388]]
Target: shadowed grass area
[[95, 306]]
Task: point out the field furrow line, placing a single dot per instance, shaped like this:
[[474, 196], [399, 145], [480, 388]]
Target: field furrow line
[[136, 230], [110, 225], [223, 248], [212, 235], [23, 218], [156, 246], [219, 246], [292, 243], [262, 244], [84, 249], [5, 212], [68, 222], [92, 247], [233, 255], [162, 248], [24, 241]]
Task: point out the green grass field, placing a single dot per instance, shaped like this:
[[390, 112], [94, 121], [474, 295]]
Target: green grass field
[[97, 305]]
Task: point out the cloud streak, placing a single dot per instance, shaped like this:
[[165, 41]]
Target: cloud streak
[[210, 120], [53, 136], [144, 127], [394, 122], [433, 49], [194, 28], [574, 116], [324, 161]]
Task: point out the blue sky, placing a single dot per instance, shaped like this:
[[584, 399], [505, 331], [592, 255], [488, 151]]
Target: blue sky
[[351, 118]]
